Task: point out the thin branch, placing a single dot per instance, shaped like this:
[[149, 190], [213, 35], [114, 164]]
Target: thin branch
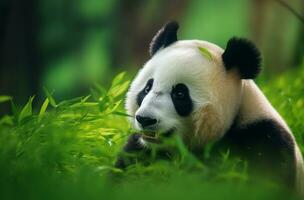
[[292, 10]]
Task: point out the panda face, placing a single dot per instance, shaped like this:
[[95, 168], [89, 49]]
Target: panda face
[[192, 87], [171, 87]]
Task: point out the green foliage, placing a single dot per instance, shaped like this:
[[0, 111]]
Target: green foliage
[[68, 150], [5, 98], [27, 110]]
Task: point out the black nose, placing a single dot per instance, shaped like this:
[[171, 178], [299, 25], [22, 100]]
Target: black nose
[[145, 121]]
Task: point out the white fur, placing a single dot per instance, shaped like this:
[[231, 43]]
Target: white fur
[[256, 106], [218, 96]]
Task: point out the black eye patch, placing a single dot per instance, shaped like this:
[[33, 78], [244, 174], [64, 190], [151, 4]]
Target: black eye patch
[[141, 95], [181, 99]]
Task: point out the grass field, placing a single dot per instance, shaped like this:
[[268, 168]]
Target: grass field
[[65, 150]]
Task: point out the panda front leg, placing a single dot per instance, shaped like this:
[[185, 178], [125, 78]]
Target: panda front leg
[[135, 148], [144, 149]]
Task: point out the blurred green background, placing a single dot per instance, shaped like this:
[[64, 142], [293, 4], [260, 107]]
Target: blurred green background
[[66, 45]]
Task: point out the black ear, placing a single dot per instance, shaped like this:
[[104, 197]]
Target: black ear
[[164, 37], [243, 55]]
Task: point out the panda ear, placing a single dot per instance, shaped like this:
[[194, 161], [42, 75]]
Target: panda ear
[[164, 37], [243, 55]]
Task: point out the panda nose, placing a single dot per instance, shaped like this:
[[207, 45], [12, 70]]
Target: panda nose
[[145, 121]]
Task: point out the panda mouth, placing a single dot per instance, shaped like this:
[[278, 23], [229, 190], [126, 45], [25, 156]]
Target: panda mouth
[[155, 137]]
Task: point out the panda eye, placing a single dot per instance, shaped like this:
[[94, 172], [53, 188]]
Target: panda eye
[[179, 95], [181, 99], [179, 92], [148, 86]]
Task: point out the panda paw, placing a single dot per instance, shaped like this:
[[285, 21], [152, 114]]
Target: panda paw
[[134, 145]]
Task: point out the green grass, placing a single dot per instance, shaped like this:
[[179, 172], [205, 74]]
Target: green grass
[[66, 150]]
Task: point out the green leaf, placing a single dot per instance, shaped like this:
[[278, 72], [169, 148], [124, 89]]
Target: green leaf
[[5, 98], [205, 53], [84, 104], [111, 108], [84, 99], [27, 110], [43, 109], [14, 111], [94, 94], [70, 102], [121, 114], [104, 103], [118, 78], [8, 120], [100, 90], [118, 90], [49, 96]]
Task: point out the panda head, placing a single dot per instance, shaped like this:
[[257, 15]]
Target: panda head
[[191, 87]]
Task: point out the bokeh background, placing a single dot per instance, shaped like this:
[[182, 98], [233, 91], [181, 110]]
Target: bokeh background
[[66, 45]]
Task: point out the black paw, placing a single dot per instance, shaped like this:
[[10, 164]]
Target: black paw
[[128, 156], [134, 143]]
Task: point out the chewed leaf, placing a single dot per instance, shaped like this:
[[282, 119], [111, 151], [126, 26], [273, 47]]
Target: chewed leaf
[[5, 98], [205, 53]]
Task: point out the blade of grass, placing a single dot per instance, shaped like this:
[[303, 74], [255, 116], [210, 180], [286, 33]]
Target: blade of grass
[[43, 109], [27, 110], [49, 96], [5, 98]]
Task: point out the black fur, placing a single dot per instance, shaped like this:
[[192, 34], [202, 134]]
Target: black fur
[[242, 54], [142, 94], [267, 147], [134, 152], [182, 104], [133, 145], [164, 37]]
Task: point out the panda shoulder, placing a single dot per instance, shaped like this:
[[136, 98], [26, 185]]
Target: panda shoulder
[[264, 133]]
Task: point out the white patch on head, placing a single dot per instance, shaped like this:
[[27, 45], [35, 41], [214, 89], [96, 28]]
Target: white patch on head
[[214, 92]]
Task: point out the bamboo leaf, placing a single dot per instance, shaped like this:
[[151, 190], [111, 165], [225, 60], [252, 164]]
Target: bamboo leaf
[[8, 120], [49, 96], [5, 98], [27, 110], [118, 90], [43, 109], [117, 79], [70, 102], [84, 99], [14, 111], [121, 114]]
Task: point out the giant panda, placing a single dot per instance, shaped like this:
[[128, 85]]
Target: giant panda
[[204, 94]]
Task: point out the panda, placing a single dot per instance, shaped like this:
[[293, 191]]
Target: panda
[[205, 94]]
